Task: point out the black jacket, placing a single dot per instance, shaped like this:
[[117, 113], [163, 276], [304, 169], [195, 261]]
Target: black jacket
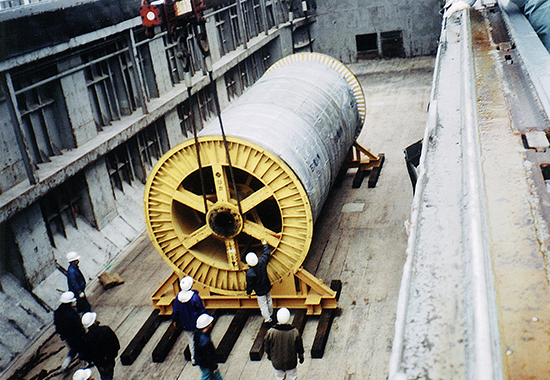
[[256, 277], [205, 353], [101, 345], [67, 322]]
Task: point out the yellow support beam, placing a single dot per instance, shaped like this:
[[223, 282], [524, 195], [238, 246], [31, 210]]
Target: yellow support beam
[[299, 291]]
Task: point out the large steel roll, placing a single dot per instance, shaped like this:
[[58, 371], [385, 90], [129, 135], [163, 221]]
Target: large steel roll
[[287, 137]]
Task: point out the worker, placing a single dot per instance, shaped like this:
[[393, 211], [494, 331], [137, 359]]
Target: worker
[[536, 11], [258, 281], [83, 374], [77, 282], [205, 353], [101, 345], [69, 327], [186, 308], [283, 345]]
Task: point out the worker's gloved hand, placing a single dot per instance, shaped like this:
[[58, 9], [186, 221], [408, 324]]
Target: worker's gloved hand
[[453, 6], [301, 357]]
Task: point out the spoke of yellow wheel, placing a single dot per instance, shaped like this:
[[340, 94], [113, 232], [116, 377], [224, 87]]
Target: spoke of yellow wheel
[[260, 232], [189, 199], [232, 250], [221, 183], [255, 199], [197, 236]]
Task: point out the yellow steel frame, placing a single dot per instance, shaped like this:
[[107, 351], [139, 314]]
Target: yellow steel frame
[[361, 158], [299, 291]]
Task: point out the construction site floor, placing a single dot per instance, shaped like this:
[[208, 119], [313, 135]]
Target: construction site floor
[[360, 239]]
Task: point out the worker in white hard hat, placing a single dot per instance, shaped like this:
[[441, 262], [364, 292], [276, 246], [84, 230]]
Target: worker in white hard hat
[[83, 374], [186, 308], [77, 282], [101, 345], [284, 347], [69, 327], [258, 281], [205, 353]]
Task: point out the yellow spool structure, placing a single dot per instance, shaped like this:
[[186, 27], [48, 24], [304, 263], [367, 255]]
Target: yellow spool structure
[[287, 138]]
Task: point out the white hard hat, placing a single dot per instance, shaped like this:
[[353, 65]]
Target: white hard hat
[[82, 374], [72, 256], [186, 283], [283, 315], [251, 259], [204, 320], [67, 297], [88, 319]]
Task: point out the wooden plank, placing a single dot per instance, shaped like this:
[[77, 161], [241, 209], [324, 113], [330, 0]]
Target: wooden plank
[[231, 335], [139, 341], [166, 343], [300, 319], [324, 325], [257, 350], [375, 173], [358, 178]]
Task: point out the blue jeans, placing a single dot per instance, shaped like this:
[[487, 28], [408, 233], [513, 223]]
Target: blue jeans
[[209, 374]]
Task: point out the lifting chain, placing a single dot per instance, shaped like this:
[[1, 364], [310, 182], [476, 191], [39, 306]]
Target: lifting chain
[[185, 56], [204, 48]]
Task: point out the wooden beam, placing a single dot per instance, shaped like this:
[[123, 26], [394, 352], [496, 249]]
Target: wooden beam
[[324, 325], [231, 335], [300, 319], [166, 343], [375, 173], [257, 350], [139, 341], [358, 178]]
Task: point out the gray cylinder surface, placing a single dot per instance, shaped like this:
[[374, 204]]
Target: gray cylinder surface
[[308, 110]]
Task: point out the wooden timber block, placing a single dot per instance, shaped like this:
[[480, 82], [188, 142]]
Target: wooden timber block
[[375, 173], [358, 178], [166, 343], [257, 350], [300, 319], [132, 351], [110, 280], [324, 325], [230, 337]]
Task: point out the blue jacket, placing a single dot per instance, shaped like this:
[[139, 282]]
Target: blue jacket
[[75, 279], [185, 314], [256, 277]]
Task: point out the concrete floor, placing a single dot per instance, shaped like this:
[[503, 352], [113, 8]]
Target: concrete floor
[[360, 238]]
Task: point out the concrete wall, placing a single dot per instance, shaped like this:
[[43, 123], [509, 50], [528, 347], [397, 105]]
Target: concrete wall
[[12, 168], [34, 245], [339, 21], [101, 193], [77, 102], [160, 65], [173, 128]]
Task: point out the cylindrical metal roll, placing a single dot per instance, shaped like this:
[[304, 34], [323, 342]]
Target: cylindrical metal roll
[[287, 137]]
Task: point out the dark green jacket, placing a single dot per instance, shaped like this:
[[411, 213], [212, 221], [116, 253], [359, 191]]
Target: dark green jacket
[[283, 344]]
